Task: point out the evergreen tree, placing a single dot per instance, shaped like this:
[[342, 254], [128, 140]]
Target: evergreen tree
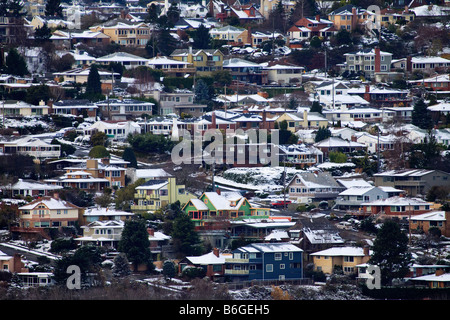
[[173, 14], [420, 116], [135, 243], [201, 91], [152, 13], [42, 34], [94, 85], [201, 37], [166, 43], [128, 155], [186, 239], [169, 270], [99, 152], [322, 134], [15, 64], [121, 266], [53, 8], [316, 107], [390, 252]]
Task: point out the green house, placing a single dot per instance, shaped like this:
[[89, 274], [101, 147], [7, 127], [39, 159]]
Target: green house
[[229, 205]]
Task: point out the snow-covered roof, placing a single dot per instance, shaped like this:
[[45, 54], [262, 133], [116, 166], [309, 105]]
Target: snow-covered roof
[[270, 247], [397, 201], [430, 216], [105, 212], [341, 251], [208, 259], [50, 203]]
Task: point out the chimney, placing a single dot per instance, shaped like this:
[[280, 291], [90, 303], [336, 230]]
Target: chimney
[[218, 191], [249, 36], [366, 251], [318, 18], [105, 161], [377, 60], [216, 252], [151, 231], [56, 195], [406, 9], [409, 64], [17, 263], [439, 272], [213, 120], [353, 138], [367, 93]]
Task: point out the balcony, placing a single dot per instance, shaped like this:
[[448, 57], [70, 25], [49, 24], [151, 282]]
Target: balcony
[[232, 260], [237, 272]]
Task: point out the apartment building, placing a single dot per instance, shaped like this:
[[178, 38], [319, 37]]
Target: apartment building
[[368, 61]]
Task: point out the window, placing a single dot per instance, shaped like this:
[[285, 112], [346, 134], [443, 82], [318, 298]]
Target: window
[[269, 268], [277, 256], [282, 266]]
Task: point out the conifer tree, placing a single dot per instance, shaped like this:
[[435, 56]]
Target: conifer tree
[[121, 266]]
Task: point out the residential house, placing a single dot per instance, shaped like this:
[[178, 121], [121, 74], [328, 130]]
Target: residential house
[[363, 114], [80, 180], [30, 146], [382, 97], [48, 212], [127, 60], [282, 73], [246, 71], [317, 26], [312, 233], [307, 186], [434, 219], [352, 198], [155, 194], [304, 120], [124, 108], [300, 155], [376, 143], [343, 258], [12, 108], [295, 33], [413, 181], [180, 102], [439, 82], [205, 61], [212, 263], [388, 16], [427, 65], [211, 206], [171, 67], [118, 130], [104, 233], [115, 175], [350, 17], [368, 61], [80, 75], [332, 144], [12, 263], [245, 13], [126, 33], [438, 280], [160, 245], [234, 36], [400, 206], [24, 188], [265, 261], [104, 214], [75, 107], [266, 6], [11, 28]]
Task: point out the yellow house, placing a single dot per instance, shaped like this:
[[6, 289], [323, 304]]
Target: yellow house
[[305, 120], [391, 16], [350, 17], [155, 194], [345, 257], [205, 61], [126, 34]]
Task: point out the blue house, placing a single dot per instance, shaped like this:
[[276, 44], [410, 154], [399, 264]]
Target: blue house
[[265, 261]]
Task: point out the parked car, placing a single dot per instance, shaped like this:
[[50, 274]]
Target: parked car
[[280, 204]]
